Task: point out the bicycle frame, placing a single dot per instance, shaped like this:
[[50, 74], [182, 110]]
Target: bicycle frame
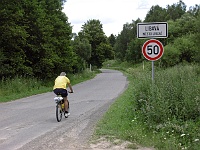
[[59, 107]]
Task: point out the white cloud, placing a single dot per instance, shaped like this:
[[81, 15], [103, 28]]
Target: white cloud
[[112, 13]]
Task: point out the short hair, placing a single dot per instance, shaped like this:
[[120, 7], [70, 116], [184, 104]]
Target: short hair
[[62, 74]]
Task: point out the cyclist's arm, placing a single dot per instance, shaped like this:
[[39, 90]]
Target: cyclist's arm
[[70, 87]]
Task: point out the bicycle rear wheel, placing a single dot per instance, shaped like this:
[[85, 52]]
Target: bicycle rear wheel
[[58, 112]]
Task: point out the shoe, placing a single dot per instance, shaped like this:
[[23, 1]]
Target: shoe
[[67, 114]]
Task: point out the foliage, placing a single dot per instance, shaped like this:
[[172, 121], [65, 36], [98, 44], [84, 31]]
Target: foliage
[[181, 27], [35, 38], [187, 48], [171, 56], [12, 40], [92, 30], [172, 102], [122, 41], [112, 40], [194, 10], [183, 49], [82, 48], [175, 11], [134, 53], [156, 14], [197, 37]]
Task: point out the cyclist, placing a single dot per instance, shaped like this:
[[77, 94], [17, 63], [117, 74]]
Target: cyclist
[[60, 87]]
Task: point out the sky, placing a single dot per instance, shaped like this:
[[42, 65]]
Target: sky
[[113, 14]]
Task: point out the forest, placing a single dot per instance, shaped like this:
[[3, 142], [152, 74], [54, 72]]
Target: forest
[[37, 39]]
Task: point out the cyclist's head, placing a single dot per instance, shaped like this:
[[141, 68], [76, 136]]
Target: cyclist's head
[[62, 74]]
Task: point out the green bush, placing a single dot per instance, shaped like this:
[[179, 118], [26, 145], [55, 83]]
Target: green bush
[[183, 49], [171, 102], [186, 46], [171, 56]]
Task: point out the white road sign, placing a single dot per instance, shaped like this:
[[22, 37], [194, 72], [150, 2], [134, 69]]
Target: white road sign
[[152, 30]]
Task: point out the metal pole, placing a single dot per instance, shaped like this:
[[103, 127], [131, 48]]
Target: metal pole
[[143, 65], [90, 67], [152, 71]]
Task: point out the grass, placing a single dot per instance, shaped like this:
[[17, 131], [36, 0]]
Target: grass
[[19, 87], [164, 115]]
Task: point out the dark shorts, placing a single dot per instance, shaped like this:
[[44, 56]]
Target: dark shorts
[[62, 92]]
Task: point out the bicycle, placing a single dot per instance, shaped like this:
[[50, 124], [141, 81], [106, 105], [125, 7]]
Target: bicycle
[[60, 107]]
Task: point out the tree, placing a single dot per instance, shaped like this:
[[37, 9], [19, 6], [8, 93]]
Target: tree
[[123, 46], [175, 11], [122, 41], [35, 38], [171, 56], [134, 52], [194, 10], [181, 27], [196, 38], [112, 40], [93, 31], [187, 48], [54, 52], [12, 40], [156, 14], [82, 48]]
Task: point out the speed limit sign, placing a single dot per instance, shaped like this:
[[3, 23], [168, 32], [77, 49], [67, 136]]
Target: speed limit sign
[[152, 49]]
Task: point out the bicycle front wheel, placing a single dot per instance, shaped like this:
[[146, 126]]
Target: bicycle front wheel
[[58, 112]]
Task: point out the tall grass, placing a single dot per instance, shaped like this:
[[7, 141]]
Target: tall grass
[[164, 113], [172, 104], [18, 87]]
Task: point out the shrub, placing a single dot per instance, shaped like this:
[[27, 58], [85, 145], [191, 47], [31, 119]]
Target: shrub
[[171, 103], [171, 56]]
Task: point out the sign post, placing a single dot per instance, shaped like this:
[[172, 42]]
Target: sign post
[[152, 49]]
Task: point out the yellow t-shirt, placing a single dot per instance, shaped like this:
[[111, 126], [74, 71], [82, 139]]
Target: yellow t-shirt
[[61, 82]]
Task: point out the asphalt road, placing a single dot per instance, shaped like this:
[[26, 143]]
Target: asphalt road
[[30, 123]]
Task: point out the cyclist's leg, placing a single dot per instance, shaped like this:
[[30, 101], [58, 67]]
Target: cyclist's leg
[[66, 107], [64, 95], [66, 104]]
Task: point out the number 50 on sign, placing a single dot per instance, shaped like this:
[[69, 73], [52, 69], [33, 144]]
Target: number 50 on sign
[[152, 50]]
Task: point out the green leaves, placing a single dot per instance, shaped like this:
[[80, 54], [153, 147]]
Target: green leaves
[[171, 56], [156, 14], [93, 32], [35, 38]]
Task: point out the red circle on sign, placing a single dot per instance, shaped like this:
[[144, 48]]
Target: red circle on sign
[[152, 41]]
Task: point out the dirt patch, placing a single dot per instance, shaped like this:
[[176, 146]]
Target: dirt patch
[[104, 144]]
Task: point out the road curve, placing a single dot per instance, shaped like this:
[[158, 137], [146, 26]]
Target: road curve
[[30, 123]]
